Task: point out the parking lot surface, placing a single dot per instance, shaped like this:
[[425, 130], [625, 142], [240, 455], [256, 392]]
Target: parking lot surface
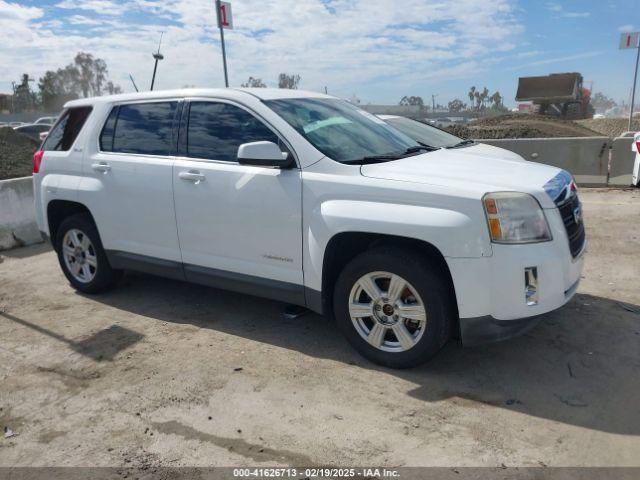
[[163, 373]]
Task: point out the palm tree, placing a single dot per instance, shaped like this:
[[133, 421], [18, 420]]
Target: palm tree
[[484, 95], [471, 94]]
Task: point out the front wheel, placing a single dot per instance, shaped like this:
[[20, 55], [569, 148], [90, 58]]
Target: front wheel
[[394, 307]]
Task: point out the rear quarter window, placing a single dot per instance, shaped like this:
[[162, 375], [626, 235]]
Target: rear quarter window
[[66, 130]]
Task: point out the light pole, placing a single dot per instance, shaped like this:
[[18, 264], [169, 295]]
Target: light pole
[[633, 94], [157, 56]]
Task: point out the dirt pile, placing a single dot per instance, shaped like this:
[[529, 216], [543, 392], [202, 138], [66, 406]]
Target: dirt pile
[[16, 154], [611, 127], [521, 126]]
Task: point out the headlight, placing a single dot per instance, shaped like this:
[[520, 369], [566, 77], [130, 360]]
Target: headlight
[[515, 217]]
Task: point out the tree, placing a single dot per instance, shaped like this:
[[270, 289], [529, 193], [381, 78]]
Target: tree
[[288, 81], [86, 76], [112, 88], [496, 101], [484, 96], [412, 100], [601, 102], [472, 95], [456, 105], [254, 83]]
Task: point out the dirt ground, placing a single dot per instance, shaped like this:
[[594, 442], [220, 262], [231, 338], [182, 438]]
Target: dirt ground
[[611, 127], [162, 373], [522, 126], [16, 154]]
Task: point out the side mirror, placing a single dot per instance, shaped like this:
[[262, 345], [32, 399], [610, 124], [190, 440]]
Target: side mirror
[[263, 154]]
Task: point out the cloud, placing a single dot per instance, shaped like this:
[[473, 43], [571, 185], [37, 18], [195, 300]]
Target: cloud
[[104, 7], [625, 28], [342, 44], [560, 12], [551, 60]]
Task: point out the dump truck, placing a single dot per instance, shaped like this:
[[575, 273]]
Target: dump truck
[[558, 94]]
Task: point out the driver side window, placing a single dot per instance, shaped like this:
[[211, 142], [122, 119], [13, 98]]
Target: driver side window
[[216, 130]]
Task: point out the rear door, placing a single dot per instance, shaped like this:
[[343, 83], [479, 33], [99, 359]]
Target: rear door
[[128, 186], [239, 225]]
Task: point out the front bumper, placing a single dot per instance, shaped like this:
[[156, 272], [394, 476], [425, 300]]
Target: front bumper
[[481, 330], [490, 291]]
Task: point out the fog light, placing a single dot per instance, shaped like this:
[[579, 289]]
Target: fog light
[[531, 285]]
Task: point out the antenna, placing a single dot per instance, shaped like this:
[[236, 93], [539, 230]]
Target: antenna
[[160, 42], [134, 83], [157, 56]]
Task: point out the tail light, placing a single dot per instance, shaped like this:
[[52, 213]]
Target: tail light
[[638, 145], [37, 160]]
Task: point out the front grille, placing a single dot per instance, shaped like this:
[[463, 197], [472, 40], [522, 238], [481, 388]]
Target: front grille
[[571, 213]]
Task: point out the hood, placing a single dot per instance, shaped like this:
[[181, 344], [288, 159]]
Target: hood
[[489, 151], [462, 170]]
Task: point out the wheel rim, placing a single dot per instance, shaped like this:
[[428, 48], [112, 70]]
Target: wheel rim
[[79, 255], [387, 311]]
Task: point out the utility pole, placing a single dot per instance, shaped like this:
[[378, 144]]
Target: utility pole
[[433, 101], [633, 94], [157, 56], [224, 53], [631, 40]]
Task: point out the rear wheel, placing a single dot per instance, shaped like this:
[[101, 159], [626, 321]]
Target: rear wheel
[[394, 307], [82, 257], [574, 111]]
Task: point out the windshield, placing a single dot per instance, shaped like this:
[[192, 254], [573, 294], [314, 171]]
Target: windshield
[[340, 130], [423, 133]]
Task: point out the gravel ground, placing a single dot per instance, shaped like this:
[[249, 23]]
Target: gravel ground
[[16, 154], [161, 373]]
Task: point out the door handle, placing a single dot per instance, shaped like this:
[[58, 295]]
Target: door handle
[[192, 176], [103, 167]]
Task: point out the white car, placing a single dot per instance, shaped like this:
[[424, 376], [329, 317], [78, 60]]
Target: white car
[[305, 198], [635, 147], [45, 121], [429, 135]]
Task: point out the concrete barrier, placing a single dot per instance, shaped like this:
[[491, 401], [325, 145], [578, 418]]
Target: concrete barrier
[[587, 158], [17, 214], [622, 159]]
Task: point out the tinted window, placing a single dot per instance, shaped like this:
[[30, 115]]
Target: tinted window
[[65, 132], [143, 128], [216, 130], [106, 136]]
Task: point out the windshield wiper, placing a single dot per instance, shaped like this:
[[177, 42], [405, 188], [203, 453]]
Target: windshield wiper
[[463, 143], [394, 156], [417, 148]]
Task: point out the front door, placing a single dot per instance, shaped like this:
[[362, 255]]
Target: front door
[[239, 226]]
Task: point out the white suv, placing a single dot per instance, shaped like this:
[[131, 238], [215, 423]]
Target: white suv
[[306, 199]]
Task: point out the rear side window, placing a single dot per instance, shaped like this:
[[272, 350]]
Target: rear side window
[[65, 132], [216, 130], [143, 128]]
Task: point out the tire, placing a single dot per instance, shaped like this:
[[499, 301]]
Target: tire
[[82, 257], [574, 111], [424, 285]]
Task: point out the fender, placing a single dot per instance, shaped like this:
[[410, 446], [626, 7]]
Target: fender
[[453, 233], [53, 186]]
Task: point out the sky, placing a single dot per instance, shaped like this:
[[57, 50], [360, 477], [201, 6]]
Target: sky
[[375, 50]]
